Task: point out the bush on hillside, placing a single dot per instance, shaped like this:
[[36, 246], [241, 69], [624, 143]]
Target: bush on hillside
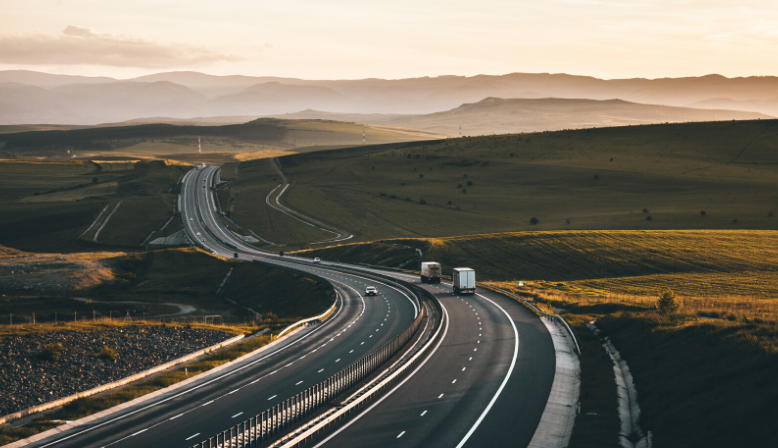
[[107, 353], [702, 213], [50, 352], [668, 303], [533, 220]]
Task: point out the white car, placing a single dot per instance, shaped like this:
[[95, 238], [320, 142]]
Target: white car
[[371, 291], [198, 233], [191, 219], [317, 260]]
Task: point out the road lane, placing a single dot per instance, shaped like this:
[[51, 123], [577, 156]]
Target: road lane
[[479, 389]]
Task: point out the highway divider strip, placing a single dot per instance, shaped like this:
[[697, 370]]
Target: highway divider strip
[[278, 419]]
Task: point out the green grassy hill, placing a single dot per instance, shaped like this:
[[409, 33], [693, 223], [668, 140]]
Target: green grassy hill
[[47, 206], [636, 177]]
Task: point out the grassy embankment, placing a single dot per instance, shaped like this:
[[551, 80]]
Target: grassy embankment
[[693, 375], [91, 405], [181, 284], [184, 276], [47, 206], [632, 178]]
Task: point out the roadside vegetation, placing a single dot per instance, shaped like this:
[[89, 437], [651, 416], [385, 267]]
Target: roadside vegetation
[[633, 178], [183, 285], [693, 312], [91, 405]]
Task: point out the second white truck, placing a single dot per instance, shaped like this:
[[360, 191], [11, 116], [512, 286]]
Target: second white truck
[[430, 272], [464, 281]]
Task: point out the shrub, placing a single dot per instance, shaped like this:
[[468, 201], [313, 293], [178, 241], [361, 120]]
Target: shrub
[[465, 176], [459, 185], [94, 180], [422, 201], [702, 213], [50, 352], [596, 176], [407, 199], [269, 316], [648, 218], [668, 303], [770, 214], [449, 202], [107, 353], [734, 221], [421, 176], [533, 220], [470, 183], [464, 190], [645, 210]]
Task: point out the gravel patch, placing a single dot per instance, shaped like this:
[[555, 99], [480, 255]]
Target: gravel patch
[[31, 375]]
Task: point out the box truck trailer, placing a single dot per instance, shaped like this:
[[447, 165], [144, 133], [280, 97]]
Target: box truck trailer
[[430, 272], [464, 281]]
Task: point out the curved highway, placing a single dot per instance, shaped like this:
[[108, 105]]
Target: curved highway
[[485, 382], [182, 417]]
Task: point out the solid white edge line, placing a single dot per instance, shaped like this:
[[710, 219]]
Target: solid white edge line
[[504, 381], [342, 428]]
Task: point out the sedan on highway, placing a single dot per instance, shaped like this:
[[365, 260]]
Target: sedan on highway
[[371, 291]]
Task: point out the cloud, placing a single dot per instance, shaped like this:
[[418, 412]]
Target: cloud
[[78, 45]]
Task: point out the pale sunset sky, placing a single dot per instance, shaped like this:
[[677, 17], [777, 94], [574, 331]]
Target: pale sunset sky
[[350, 39]]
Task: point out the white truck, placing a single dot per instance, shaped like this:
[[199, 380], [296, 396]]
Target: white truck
[[430, 272], [464, 281]]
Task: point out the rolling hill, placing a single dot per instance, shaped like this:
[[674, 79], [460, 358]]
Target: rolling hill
[[191, 94]]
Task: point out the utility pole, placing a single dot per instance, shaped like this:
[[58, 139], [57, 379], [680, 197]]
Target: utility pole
[[460, 131], [199, 146], [363, 136]]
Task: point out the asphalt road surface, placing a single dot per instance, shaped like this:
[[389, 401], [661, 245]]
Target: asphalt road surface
[[485, 383]]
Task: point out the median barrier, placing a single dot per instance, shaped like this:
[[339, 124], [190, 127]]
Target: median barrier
[[276, 422]]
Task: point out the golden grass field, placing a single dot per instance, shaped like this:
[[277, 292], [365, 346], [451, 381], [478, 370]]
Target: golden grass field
[[713, 271]]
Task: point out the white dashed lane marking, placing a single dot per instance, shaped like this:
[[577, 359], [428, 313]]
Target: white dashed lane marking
[[188, 438]]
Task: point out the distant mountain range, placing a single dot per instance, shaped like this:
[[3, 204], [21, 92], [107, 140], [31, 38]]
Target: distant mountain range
[[33, 97]]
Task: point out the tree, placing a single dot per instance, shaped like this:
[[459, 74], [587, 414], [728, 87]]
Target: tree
[[668, 303], [533, 220], [94, 180]]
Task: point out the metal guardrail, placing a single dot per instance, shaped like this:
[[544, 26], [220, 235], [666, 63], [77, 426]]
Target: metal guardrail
[[532, 306], [310, 319]]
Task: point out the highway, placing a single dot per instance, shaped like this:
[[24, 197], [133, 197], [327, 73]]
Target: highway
[[360, 325], [484, 383]]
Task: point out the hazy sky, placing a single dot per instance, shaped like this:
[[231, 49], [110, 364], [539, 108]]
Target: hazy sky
[[329, 39]]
